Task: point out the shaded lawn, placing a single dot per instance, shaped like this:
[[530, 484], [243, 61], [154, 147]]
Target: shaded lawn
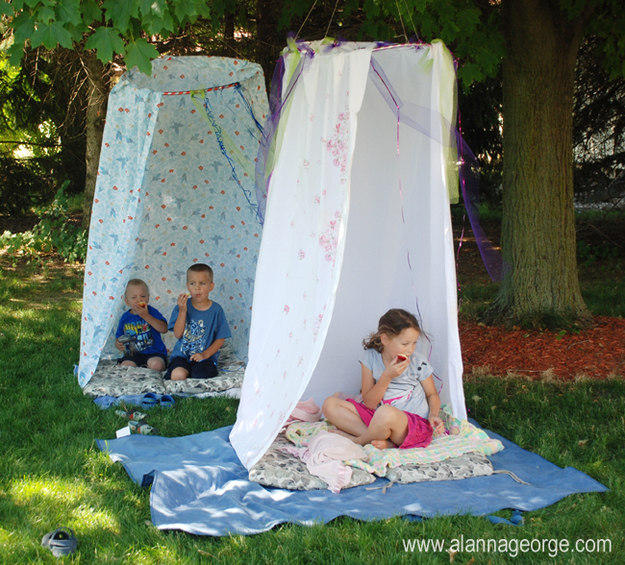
[[52, 474]]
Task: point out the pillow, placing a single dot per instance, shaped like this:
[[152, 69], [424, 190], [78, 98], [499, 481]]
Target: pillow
[[473, 464], [283, 470], [223, 381], [119, 380], [111, 379]]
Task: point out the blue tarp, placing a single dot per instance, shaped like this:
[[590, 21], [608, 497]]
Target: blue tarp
[[200, 487]]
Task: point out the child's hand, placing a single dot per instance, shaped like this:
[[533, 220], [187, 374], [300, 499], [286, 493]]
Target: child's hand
[[398, 366], [197, 357], [119, 346], [437, 425], [141, 308], [182, 301]]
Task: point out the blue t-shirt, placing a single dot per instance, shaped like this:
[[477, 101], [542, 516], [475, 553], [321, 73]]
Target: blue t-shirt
[[201, 329], [406, 391], [146, 339]]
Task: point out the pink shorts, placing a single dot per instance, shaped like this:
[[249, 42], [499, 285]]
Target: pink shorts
[[419, 429]]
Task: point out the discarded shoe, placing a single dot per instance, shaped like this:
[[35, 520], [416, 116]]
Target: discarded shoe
[[167, 401], [60, 542]]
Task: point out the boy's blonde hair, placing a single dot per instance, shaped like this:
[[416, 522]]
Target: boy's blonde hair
[[137, 282]]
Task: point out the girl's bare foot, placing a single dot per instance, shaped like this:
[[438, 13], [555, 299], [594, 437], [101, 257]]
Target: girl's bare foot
[[383, 444]]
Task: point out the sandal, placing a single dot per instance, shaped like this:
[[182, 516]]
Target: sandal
[[60, 542], [149, 400], [167, 401]]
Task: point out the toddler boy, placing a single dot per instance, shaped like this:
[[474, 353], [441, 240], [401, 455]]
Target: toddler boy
[[139, 331]]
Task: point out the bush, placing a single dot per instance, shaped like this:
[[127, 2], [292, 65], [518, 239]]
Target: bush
[[25, 183], [54, 234]]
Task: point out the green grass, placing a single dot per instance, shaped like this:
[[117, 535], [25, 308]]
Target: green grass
[[52, 473]]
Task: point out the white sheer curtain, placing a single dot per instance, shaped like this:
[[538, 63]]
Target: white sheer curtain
[[357, 222]]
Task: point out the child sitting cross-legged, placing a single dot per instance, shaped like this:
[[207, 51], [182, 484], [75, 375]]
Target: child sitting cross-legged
[[200, 326], [139, 331]]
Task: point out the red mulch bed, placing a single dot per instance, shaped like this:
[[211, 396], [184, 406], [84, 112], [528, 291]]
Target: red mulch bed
[[597, 353]]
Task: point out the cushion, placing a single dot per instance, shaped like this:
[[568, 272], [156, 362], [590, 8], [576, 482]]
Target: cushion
[[118, 380], [111, 379], [283, 470], [473, 464]]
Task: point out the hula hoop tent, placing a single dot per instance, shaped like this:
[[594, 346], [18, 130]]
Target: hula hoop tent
[[357, 221], [175, 186]]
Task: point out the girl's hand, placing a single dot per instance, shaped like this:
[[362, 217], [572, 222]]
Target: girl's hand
[[398, 366], [437, 425], [182, 301]]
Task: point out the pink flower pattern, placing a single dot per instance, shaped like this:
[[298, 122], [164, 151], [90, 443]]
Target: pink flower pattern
[[329, 239], [337, 145]]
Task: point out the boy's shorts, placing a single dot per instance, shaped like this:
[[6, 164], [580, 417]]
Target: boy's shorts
[[197, 369], [141, 359]]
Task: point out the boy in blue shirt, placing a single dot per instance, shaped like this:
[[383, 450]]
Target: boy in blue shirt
[[200, 326], [139, 331]]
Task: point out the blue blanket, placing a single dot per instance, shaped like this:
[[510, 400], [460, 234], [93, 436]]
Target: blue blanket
[[200, 487]]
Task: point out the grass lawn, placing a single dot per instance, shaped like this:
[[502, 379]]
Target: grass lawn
[[52, 474]]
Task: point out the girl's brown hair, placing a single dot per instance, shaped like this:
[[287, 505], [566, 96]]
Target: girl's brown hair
[[392, 324]]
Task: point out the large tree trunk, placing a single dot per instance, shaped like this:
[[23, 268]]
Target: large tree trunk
[[540, 285], [97, 99]]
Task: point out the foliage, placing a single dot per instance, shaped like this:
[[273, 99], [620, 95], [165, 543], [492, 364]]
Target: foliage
[[25, 183], [598, 127], [588, 253], [111, 27], [41, 128], [469, 29], [54, 234]]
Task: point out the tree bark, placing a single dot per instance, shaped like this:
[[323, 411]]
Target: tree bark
[[269, 43], [97, 99], [540, 285]]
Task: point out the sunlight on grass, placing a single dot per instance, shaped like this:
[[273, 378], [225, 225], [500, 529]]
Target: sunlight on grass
[[72, 498]]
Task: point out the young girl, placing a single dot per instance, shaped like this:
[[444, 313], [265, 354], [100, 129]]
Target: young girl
[[400, 403]]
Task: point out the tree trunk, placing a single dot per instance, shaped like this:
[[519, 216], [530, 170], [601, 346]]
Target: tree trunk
[[97, 99], [269, 42], [540, 285]]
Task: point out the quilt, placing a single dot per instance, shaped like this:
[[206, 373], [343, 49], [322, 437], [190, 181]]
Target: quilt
[[113, 380]]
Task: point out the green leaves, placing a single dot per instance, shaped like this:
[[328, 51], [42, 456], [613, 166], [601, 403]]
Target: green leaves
[[140, 53], [120, 12], [106, 42], [50, 35], [113, 27]]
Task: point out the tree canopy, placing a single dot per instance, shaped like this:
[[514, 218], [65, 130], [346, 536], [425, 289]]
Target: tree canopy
[[529, 47]]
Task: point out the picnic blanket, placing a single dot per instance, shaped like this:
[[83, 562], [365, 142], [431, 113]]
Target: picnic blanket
[[199, 486]]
